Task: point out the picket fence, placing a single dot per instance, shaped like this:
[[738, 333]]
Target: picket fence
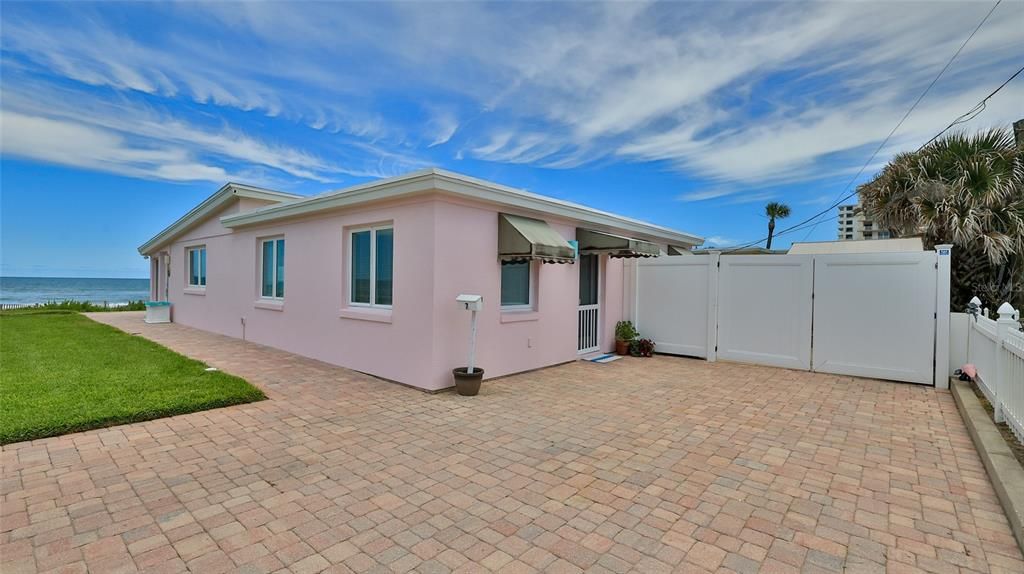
[[996, 348]]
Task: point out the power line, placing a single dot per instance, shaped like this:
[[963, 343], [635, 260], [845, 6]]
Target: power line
[[916, 102], [960, 119], [976, 110]]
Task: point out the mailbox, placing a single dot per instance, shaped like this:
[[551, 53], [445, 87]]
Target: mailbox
[[470, 302]]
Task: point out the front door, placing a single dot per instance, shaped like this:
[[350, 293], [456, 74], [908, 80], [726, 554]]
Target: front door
[[588, 310]]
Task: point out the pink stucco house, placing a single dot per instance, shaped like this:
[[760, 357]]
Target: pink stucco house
[[366, 277]]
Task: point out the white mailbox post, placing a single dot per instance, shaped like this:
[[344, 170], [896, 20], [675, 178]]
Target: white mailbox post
[[472, 303]]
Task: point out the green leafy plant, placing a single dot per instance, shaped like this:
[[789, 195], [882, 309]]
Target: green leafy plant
[[641, 347], [625, 331], [81, 306], [774, 210], [966, 189]]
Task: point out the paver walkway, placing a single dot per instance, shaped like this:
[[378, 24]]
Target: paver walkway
[[648, 465]]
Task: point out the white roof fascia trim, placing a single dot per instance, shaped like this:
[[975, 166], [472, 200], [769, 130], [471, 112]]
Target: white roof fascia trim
[[433, 179], [380, 189], [509, 196], [216, 200]]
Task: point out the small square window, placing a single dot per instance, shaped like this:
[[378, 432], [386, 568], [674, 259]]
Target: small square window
[[515, 285]]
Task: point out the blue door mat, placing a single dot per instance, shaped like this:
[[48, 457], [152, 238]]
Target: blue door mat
[[606, 358]]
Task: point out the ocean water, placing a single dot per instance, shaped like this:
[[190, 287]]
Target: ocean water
[[27, 290]]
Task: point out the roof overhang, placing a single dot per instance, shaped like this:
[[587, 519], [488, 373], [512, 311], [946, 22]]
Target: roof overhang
[[591, 241], [210, 205], [435, 180]]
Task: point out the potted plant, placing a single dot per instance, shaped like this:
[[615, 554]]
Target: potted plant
[[641, 348], [625, 332]]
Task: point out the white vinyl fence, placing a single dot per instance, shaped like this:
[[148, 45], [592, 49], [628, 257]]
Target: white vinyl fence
[[764, 309], [881, 315], [996, 349]]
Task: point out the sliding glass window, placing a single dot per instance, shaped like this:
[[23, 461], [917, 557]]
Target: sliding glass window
[[196, 267], [272, 268], [371, 268]]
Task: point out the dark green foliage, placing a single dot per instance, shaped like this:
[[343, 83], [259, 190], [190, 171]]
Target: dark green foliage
[[774, 210], [625, 331], [83, 306], [967, 190]]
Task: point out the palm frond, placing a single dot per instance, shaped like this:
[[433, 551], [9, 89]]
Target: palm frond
[[966, 189]]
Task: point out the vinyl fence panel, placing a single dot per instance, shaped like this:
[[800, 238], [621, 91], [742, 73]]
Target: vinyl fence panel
[[672, 303], [764, 309], [882, 315], [874, 315]]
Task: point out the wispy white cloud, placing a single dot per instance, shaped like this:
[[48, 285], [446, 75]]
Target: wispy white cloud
[[711, 192], [80, 145], [443, 126], [55, 125], [719, 241], [744, 96], [87, 48], [793, 147]]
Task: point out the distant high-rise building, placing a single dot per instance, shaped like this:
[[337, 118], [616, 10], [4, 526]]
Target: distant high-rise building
[[855, 225]]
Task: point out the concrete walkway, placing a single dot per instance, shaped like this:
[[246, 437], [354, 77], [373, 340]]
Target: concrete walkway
[[644, 465]]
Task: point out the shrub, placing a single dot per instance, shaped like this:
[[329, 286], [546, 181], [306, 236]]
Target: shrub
[[625, 331], [641, 347], [85, 306]]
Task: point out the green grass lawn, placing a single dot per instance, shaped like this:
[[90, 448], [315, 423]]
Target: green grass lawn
[[61, 372]]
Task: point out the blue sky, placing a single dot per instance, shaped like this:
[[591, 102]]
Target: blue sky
[[116, 118]]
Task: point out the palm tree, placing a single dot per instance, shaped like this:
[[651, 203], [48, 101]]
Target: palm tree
[[774, 210], [967, 190]]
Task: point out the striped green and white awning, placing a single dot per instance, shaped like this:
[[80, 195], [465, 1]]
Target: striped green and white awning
[[614, 245], [526, 239]]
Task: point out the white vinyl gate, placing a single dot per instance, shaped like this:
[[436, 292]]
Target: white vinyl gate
[[872, 315], [676, 326], [764, 310]]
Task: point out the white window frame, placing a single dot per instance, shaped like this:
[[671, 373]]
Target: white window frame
[[199, 249], [531, 290], [259, 278], [373, 229]]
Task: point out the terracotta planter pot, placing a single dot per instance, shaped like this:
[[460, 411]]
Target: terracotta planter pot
[[621, 347], [466, 384]]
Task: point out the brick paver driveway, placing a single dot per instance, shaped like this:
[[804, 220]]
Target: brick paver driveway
[[644, 464]]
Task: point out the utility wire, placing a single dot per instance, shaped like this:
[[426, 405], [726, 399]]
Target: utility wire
[[916, 102], [975, 111], [893, 131]]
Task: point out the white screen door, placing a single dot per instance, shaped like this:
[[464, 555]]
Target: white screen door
[[588, 310]]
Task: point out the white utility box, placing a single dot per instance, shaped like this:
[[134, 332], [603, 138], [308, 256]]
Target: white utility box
[[158, 311]]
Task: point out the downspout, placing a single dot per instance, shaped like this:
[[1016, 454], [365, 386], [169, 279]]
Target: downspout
[[166, 257]]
